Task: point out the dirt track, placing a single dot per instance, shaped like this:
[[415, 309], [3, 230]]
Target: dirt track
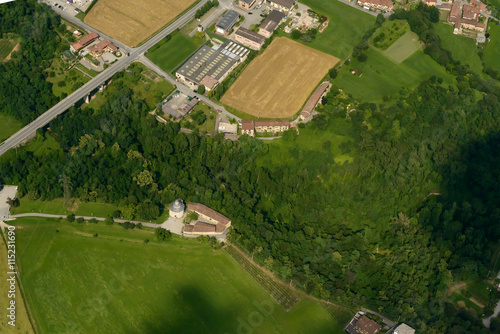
[[277, 83], [132, 21]]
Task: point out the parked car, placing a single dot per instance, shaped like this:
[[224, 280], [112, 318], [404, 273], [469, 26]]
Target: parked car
[[262, 15], [250, 13], [55, 4]]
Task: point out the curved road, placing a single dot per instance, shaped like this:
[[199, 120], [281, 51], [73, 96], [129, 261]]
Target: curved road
[[98, 80]]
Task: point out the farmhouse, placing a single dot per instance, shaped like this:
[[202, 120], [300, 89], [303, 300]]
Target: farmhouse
[[209, 66], [84, 41], [210, 221], [314, 99], [376, 4], [223, 27], [465, 17], [251, 127], [270, 24], [282, 5], [361, 324], [246, 4], [250, 38], [98, 49]]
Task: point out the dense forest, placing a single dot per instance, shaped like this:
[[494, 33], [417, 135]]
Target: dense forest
[[414, 210], [24, 91]]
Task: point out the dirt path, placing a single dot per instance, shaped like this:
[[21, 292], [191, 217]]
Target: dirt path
[[16, 48], [454, 287]]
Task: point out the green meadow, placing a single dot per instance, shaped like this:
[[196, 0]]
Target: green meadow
[[462, 48], [172, 53], [379, 77], [347, 25], [8, 126], [491, 52], [95, 278]]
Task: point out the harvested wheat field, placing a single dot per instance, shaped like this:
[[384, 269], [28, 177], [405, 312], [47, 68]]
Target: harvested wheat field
[[132, 21], [278, 82]]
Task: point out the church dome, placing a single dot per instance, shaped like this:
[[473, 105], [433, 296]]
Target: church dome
[[177, 206]]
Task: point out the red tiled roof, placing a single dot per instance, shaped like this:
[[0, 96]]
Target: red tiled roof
[[205, 210], [313, 100], [386, 3], [367, 325], [85, 40], [247, 125], [470, 12], [456, 11], [478, 4]]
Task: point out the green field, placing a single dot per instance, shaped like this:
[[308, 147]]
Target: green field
[[171, 54], [347, 25], [22, 324], [73, 79], [6, 46], [462, 48], [379, 76], [460, 300], [389, 32], [116, 283], [491, 52], [146, 85], [8, 126], [209, 125], [403, 48], [312, 141]]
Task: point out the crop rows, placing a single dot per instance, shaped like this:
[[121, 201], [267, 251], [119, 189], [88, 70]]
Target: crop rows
[[341, 314], [281, 293]]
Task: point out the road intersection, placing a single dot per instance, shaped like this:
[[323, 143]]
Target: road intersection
[[131, 55]]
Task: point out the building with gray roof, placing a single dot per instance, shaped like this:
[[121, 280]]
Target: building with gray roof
[[211, 65], [226, 22]]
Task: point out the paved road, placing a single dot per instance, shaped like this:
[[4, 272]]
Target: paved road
[[98, 80]]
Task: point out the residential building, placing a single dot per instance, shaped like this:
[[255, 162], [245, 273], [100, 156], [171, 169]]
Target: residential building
[[209, 66], [465, 17], [246, 4], [478, 4], [251, 127], [84, 41], [361, 324], [249, 38], [402, 329], [210, 221], [314, 99], [223, 27], [99, 48], [282, 5], [271, 22], [248, 128], [430, 2], [385, 5]]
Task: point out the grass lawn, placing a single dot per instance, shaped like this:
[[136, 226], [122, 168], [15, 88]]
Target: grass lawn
[[312, 141], [403, 48], [80, 16], [115, 283], [8, 126], [57, 207], [172, 53], [462, 48], [389, 33], [382, 77], [491, 52], [146, 85], [73, 79], [462, 301], [23, 324], [347, 25], [209, 125], [92, 73], [6, 46]]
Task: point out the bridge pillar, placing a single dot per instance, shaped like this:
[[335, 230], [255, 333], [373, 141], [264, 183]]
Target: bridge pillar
[[87, 99], [101, 88]]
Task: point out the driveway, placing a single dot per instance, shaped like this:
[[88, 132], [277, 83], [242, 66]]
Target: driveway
[[7, 191]]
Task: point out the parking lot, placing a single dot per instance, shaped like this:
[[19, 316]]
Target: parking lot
[[6, 192], [69, 8]]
